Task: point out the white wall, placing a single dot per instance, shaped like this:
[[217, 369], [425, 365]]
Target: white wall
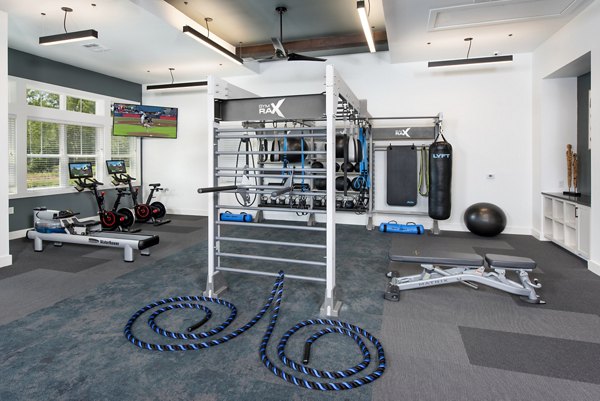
[[574, 40], [180, 164], [487, 112], [5, 257]]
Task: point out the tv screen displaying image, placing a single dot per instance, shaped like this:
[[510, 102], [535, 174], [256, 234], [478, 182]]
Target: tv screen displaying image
[[80, 170], [144, 121], [116, 166]]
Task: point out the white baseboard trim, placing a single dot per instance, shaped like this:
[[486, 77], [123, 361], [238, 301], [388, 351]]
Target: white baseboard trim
[[538, 235], [188, 212], [18, 234], [5, 260], [594, 267]]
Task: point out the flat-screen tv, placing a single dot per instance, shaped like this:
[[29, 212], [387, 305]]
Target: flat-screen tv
[[80, 170], [116, 166], [144, 121]]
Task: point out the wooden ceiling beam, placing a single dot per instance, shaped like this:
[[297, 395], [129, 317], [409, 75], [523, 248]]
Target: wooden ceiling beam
[[315, 44]]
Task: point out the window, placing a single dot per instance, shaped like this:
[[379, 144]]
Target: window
[[125, 148], [81, 105], [81, 147], [54, 126], [12, 155], [51, 146], [43, 154], [36, 97]]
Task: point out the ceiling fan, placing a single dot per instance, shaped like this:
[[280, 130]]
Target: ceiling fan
[[280, 52]]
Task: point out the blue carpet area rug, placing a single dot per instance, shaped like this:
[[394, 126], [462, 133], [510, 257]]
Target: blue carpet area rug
[[76, 350]]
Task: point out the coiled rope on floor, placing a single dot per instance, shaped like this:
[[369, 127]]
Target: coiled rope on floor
[[274, 299]]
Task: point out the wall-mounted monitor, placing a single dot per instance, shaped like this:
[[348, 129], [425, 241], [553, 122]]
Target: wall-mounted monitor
[[80, 170], [144, 121], [116, 167]]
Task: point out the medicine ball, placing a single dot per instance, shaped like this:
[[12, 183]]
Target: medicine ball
[[348, 204], [357, 167], [339, 183], [485, 219], [337, 167], [295, 145], [347, 167], [358, 183], [316, 164]]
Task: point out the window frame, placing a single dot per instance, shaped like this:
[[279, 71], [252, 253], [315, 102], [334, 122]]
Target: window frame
[[102, 121]]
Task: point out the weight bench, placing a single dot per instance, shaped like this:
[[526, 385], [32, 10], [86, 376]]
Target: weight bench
[[447, 267]]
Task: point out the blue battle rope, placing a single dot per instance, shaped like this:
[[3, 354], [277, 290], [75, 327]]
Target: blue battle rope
[[275, 295]]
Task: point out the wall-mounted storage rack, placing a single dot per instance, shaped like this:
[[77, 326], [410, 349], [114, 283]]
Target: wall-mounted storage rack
[[393, 131]]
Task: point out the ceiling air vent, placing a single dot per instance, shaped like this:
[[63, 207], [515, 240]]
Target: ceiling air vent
[[95, 47], [487, 12]]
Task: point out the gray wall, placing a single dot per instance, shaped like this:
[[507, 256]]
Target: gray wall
[[25, 65], [40, 69], [83, 202], [584, 154]]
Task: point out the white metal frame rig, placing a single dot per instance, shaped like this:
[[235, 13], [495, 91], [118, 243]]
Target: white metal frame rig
[[227, 102]]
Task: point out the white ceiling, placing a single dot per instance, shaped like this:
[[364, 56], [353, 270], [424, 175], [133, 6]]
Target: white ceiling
[[141, 39]]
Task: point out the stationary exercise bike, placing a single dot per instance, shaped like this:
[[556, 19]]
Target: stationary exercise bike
[[109, 219], [143, 211], [127, 212], [157, 219]]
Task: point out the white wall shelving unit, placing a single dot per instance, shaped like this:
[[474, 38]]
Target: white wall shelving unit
[[567, 223]]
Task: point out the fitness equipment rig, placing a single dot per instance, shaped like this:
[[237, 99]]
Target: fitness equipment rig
[[228, 106], [88, 232]]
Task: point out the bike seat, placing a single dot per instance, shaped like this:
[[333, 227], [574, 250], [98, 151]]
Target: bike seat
[[154, 185]]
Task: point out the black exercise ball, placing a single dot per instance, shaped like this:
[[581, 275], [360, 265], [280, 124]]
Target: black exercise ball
[[485, 219], [337, 167], [339, 183]]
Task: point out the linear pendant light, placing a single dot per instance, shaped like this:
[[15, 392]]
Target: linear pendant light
[[211, 44], [68, 37], [174, 85], [362, 14], [467, 61]]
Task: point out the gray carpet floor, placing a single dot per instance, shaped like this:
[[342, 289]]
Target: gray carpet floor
[[61, 325]]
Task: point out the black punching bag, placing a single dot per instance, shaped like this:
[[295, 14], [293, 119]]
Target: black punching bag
[[440, 179]]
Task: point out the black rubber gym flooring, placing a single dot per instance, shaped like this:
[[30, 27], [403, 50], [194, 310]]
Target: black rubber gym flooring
[[61, 327]]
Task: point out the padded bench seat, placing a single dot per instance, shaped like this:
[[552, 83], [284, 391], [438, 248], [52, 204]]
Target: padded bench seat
[[509, 262], [441, 258]]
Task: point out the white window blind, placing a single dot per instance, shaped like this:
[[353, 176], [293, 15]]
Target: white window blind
[[51, 146], [12, 155], [125, 148]]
